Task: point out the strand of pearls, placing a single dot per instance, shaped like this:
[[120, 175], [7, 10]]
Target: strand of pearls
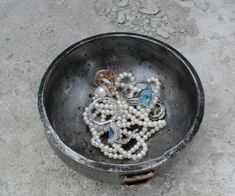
[[101, 112]]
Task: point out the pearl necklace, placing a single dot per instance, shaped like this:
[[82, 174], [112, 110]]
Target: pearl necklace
[[118, 112]]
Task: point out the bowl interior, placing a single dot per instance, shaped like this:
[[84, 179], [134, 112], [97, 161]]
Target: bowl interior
[[69, 88]]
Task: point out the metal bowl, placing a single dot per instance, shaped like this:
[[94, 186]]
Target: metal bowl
[[66, 89]]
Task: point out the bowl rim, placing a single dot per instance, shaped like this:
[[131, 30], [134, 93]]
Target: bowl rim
[[126, 167]]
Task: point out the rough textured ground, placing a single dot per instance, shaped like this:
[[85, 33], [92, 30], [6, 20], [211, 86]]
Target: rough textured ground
[[33, 33]]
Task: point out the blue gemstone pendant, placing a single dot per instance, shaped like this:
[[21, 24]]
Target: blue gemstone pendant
[[146, 97], [111, 133], [114, 133]]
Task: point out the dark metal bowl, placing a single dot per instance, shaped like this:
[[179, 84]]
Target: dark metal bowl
[[66, 89]]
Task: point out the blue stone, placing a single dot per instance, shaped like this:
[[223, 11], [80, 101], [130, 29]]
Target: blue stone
[[111, 133], [146, 97]]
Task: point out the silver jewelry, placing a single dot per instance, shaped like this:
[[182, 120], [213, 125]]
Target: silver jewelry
[[158, 113], [125, 141], [103, 120], [131, 103]]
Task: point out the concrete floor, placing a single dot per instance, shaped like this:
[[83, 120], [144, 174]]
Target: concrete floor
[[33, 33]]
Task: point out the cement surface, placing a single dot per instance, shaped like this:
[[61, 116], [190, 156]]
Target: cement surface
[[33, 33]]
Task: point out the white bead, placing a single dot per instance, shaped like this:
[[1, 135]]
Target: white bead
[[145, 149], [124, 120], [152, 131], [136, 147], [145, 123], [139, 156], [149, 123], [106, 148], [132, 150], [144, 129], [132, 78], [157, 128], [125, 105], [136, 121], [134, 157], [164, 123], [124, 131], [145, 137], [143, 153], [124, 154], [129, 155], [129, 115]]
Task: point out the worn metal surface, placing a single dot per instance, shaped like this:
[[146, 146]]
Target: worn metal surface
[[67, 84]]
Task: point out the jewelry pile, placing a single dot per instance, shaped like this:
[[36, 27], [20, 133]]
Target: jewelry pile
[[124, 110]]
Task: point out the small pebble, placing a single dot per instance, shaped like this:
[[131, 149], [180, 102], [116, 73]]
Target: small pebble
[[164, 20], [155, 22], [136, 28], [162, 33], [121, 18], [123, 3], [146, 21], [169, 29], [130, 18], [126, 25], [150, 8], [146, 28]]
